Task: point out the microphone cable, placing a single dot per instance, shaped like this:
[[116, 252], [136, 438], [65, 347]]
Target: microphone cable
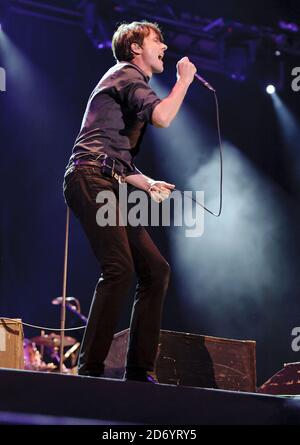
[[219, 213]]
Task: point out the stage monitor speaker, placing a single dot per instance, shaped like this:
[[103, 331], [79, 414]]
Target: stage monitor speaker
[[285, 382], [194, 360], [11, 344]]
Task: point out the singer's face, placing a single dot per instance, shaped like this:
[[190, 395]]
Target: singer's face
[[152, 54]]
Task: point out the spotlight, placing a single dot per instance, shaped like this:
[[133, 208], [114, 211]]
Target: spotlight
[[104, 44], [271, 89], [288, 26]]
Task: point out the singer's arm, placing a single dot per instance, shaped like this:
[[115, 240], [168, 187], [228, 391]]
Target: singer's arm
[[143, 182], [167, 109]]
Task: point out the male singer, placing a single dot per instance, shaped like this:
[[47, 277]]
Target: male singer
[[118, 111]]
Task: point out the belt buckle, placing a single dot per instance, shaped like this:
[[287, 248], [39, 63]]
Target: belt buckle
[[115, 175], [118, 178]]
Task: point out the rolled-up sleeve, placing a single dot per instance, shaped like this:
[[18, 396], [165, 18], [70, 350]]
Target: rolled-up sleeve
[[133, 171], [142, 100]]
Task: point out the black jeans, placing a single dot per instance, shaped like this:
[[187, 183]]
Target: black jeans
[[122, 252]]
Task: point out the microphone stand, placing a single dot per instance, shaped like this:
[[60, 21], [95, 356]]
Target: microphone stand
[[64, 293]]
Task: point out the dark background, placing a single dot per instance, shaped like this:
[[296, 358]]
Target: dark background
[[241, 279]]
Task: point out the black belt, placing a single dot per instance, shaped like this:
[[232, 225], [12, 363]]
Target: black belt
[[106, 165]]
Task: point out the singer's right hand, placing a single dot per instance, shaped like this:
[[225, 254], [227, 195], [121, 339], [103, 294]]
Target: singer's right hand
[[186, 70], [160, 190]]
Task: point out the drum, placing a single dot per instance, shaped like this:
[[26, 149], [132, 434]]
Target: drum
[[33, 359], [32, 356]]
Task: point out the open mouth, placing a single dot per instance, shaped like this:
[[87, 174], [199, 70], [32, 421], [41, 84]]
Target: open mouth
[[161, 57]]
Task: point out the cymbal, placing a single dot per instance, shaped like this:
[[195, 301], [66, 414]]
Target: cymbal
[[52, 340]]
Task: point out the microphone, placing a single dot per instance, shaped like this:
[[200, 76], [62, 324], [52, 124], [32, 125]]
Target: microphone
[[205, 83], [75, 305]]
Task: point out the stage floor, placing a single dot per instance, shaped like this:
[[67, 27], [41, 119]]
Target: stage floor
[[46, 398]]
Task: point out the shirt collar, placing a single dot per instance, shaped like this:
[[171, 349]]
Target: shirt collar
[[146, 77]]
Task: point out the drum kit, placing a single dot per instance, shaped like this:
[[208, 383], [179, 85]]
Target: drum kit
[[41, 353]]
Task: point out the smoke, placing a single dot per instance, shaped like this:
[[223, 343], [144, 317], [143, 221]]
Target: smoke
[[243, 261]]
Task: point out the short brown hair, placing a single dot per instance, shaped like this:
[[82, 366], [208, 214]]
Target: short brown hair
[[128, 33]]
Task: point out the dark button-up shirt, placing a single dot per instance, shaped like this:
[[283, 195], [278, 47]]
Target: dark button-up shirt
[[117, 113]]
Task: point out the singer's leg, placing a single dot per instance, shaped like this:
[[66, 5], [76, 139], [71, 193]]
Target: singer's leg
[[153, 277], [111, 247]]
